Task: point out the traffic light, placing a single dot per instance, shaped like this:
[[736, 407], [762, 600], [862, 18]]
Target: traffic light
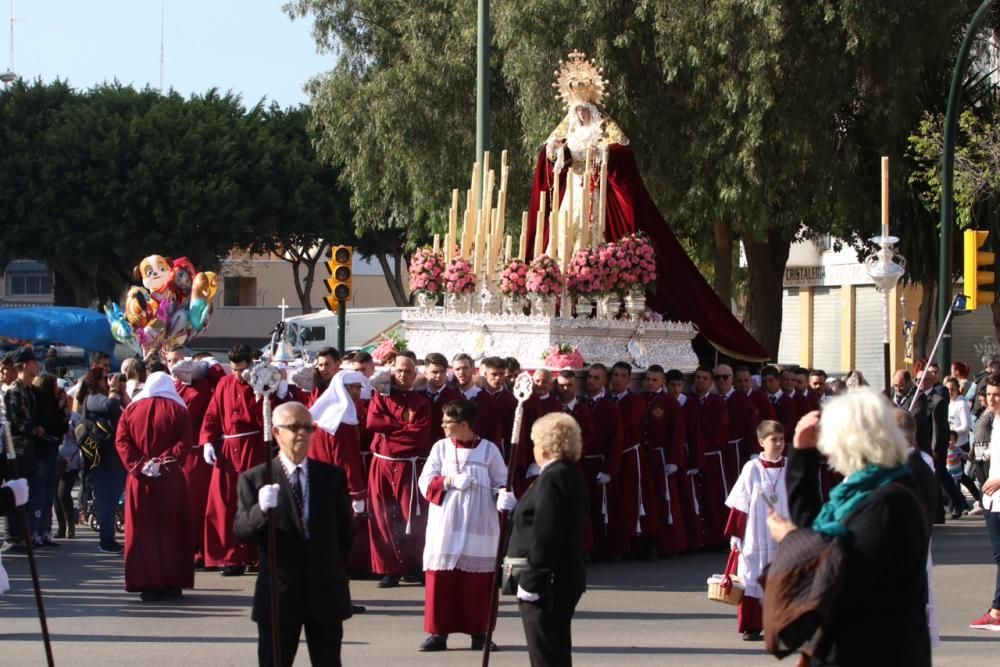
[[339, 283], [980, 270]]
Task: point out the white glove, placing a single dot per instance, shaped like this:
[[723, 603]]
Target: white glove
[[267, 497], [526, 596], [670, 468], [358, 506], [461, 481], [282, 389], [735, 544], [603, 478], [533, 471], [151, 468], [506, 500], [209, 454], [693, 471], [20, 488]]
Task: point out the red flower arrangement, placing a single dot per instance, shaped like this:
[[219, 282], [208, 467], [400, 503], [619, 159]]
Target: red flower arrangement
[[426, 271], [544, 276], [514, 278], [563, 356], [630, 263], [458, 277], [586, 275]]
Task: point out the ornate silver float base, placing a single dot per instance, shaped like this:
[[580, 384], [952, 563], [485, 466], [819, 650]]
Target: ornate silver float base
[[528, 338]]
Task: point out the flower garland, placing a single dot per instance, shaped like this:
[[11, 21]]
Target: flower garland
[[426, 269], [544, 276], [458, 276], [586, 275], [514, 278]]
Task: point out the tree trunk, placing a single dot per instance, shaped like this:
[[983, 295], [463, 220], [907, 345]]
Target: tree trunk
[[723, 261], [80, 280], [393, 279], [766, 263], [925, 336]]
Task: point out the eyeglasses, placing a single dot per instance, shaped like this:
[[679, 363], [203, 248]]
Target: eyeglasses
[[722, 377], [298, 428]]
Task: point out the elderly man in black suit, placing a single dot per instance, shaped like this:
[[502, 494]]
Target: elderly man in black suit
[[548, 525], [314, 530]]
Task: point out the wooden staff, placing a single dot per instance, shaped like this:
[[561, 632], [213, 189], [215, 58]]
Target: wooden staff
[[22, 518], [522, 392]]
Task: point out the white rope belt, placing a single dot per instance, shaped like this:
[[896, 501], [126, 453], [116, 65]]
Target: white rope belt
[[694, 489], [722, 470], [666, 484], [604, 491], [737, 442], [412, 460], [239, 435], [638, 470]]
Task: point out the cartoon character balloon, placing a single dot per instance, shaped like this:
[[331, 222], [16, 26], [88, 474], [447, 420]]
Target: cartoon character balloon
[[172, 306]]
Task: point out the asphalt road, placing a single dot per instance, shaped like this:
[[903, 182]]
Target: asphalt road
[[648, 613]]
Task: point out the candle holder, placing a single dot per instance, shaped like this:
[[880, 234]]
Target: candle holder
[[885, 267]]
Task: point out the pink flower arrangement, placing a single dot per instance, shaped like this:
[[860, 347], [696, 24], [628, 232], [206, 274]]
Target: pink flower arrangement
[[630, 263], [544, 276], [586, 275], [514, 278], [426, 270], [458, 276], [563, 356]]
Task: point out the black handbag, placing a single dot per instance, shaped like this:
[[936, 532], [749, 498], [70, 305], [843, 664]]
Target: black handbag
[[510, 571]]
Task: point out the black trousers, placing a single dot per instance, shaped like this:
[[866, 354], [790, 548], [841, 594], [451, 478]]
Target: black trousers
[[323, 640], [947, 482], [547, 631]]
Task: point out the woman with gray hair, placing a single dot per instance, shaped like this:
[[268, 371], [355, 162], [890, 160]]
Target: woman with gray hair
[[547, 536], [879, 614]]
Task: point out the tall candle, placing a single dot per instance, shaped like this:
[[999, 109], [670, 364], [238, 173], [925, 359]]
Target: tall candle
[[539, 228], [585, 223], [507, 247], [602, 201], [437, 243], [885, 195], [522, 246], [449, 244]]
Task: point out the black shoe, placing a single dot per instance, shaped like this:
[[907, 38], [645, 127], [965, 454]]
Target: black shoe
[[752, 636], [358, 609], [71, 531], [170, 593], [415, 578], [435, 643], [233, 571], [113, 548], [199, 564], [151, 595], [60, 534], [253, 567], [478, 641], [388, 581]]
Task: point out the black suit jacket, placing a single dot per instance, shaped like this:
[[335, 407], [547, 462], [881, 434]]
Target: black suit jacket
[[548, 526], [311, 573], [937, 417], [921, 416]]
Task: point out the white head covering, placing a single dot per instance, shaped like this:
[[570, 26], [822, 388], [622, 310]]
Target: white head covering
[[159, 385], [334, 406]]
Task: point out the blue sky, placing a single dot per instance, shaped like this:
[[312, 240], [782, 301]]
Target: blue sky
[[247, 46]]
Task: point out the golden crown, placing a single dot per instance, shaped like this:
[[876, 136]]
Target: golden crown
[[579, 80]]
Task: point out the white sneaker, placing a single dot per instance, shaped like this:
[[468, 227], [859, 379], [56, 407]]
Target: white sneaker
[[976, 510]]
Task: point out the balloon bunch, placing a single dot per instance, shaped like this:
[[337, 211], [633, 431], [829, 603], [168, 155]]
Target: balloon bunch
[[173, 305]]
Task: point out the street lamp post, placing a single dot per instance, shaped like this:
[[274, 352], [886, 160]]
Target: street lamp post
[[885, 267]]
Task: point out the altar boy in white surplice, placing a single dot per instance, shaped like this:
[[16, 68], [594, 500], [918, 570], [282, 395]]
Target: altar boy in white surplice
[[761, 482]]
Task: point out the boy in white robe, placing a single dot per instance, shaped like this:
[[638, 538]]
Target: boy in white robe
[[761, 484]]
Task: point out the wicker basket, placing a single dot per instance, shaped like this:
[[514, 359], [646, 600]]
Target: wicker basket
[[731, 595]]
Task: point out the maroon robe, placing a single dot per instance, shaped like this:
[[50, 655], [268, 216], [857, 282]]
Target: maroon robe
[[742, 436], [786, 412], [342, 449], [638, 495], [438, 400], [605, 455], [663, 437], [197, 472], [504, 407], [534, 409], [234, 425], [584, 418], [762, 407], [691, 486], [400, 423], [360, 560], [318, 388], [158, 542], [713, 421], [802, 405]]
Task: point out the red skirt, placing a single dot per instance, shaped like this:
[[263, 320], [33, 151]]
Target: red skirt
[[456, 601]]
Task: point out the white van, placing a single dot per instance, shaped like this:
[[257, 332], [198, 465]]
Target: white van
[[364, 326]]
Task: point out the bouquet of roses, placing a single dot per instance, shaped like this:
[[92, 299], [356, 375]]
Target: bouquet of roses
[[514, 278], [563, 356], [458, 276], [544, 276], [610, 258], [586, 275], [637, 261], [426, 269]]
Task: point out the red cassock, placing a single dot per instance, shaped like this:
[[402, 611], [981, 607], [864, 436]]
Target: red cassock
[[438, 400], [605, 455], [487, 422], [234, 425], [197, 472], [742, 437], [749, 613], [638, 496], [360, 559], [631, 209], [691, 486], [664, 440], [803, 405], [343, 449], [158, 542], [400, 423], [762, 407], [504, 407], [786, 412], [534, 409], [584, 417], [318, 388], [713, 420]]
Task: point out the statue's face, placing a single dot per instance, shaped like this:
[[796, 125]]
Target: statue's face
[[583, 115]]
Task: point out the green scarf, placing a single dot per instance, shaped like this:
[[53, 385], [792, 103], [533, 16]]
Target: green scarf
[[846, 496]]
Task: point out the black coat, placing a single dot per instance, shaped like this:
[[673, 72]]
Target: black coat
[[311, 573], [548, 526], [880, 615]]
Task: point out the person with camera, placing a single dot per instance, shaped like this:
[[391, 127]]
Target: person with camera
[[21, 412]]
